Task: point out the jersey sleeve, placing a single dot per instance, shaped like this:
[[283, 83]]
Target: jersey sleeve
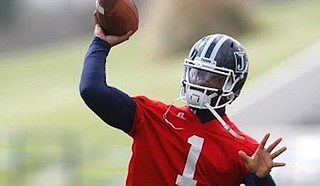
[[145, 109], [112, 105], [252, 180]]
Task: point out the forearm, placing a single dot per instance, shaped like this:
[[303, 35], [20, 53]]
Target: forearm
[[93, 72], [113, 106]]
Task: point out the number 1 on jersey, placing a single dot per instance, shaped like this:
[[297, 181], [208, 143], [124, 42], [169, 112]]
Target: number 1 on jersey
[[186, 179]]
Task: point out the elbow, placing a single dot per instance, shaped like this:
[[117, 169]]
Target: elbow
[[86, 92], [92, 93]]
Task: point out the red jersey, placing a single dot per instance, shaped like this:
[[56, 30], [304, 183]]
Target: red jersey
[[185, 152]]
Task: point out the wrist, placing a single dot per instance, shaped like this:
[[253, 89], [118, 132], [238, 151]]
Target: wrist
[[266, 180], [101, 42]]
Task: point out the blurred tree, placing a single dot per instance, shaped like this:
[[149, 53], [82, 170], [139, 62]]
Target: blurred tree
[[184, 22]]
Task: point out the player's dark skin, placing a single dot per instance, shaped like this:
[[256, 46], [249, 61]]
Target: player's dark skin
[[261, 162]]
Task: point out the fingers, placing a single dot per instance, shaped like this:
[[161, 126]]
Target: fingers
[[264, 141], [115, 40], [111, 39], [95, 17], [244, 156], [126, 36], [97, 27], [278, 152], [271, 148], [98, 32], [274, 144], [129, 33], [279, 164]]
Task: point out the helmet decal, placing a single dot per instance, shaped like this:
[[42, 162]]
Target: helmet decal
[[241, 62]]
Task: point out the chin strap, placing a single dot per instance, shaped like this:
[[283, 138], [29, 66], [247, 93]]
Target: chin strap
[[223, 123]]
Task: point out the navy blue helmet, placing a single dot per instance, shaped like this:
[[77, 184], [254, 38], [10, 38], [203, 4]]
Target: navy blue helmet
[[214, 72]]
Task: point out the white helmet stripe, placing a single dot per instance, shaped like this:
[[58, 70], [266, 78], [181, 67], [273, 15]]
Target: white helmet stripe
[[218, 46], [192, 51], [215, 40], [207, 45], [196, 48]]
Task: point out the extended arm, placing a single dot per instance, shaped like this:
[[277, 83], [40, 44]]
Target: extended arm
[[113, 106]]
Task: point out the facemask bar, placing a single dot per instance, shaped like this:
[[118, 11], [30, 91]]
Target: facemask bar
[[225, 94], [230, 76], [197, 99]]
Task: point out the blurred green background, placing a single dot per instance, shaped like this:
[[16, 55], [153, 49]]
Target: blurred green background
[[49, 137]]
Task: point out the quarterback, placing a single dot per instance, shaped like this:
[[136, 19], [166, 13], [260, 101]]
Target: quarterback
[[193, 145]]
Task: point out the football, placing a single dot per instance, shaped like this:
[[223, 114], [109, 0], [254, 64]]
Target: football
[[117, 17]]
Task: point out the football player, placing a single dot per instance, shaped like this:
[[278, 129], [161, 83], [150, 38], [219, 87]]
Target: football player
[[193, 145]]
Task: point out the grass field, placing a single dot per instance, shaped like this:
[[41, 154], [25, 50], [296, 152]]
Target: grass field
[[44, 123]]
